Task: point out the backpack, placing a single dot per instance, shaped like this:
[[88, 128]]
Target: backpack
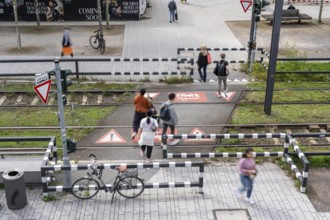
[[222, 68], [171, 6], [165, 113]]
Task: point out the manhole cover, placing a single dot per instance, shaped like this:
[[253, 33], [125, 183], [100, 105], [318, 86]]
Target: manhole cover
[[232, 214]]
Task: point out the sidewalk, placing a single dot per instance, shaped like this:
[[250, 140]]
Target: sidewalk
[[274, 193]]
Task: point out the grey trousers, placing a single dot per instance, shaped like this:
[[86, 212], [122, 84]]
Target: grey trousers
[[220, 80]]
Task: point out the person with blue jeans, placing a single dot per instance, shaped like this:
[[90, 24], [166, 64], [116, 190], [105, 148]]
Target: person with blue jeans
[[247, 169], [172, 8], [202, 63]]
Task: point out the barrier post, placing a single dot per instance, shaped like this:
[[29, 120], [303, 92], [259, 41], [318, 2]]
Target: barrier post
[[164, 145], [305, 175], [44, 181], [77, 68], [192, 63], [201, 178]]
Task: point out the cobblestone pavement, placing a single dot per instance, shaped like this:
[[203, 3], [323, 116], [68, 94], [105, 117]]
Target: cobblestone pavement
[[275, 195]]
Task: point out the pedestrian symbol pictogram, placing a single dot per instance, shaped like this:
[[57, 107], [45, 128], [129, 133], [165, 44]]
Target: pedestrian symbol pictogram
[[246, 4], [197, 131], [227, 96], [111, 137], [43, 90], [191, 97]]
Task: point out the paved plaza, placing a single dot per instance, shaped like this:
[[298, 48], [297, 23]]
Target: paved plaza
[[274, 193], [200, 22]]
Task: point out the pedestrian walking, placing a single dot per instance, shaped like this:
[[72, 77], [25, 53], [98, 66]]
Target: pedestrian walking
[[146, 135], [66, 43], [142, 105], [204, 58], [172, 8], [222, 71], [247, 170], [172, 119]]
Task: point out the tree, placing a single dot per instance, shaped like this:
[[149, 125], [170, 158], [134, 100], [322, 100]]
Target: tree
[[99, 12], [320, 14], [37, 13], [107, 17], [19, 46]]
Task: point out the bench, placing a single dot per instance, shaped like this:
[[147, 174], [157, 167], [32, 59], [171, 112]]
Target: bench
[[289, 15]]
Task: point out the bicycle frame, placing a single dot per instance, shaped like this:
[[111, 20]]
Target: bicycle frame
[[112, 188]]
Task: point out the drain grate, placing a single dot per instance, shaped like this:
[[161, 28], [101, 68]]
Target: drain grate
[[232, 214]]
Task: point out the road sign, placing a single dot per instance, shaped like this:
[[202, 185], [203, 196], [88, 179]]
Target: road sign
[[246, 4], [228, 96], [111, 137], [41, 77], [191, 97], [43, 90], [197, 131]]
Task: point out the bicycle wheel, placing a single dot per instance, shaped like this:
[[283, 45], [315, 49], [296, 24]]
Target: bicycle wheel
[[85, 188], [94, 41], [102, 46], [130, 187]]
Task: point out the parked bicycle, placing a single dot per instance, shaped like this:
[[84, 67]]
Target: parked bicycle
[[127, 183], [97, 41]]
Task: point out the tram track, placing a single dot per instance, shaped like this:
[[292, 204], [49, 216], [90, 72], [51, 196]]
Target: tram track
[[98, 98]]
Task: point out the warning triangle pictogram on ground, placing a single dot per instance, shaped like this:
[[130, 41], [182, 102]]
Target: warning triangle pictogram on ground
[[228, 96], [246, 4], [197, 131], [43, 90], [111, 137], [152, 95]]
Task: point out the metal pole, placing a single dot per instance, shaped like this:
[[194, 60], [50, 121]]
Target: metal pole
[[273, 56], [66, 160], [253, 19], [320, 13], [253, 52]]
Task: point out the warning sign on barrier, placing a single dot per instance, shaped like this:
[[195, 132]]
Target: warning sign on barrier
[[191, 97], [111, 137], [197, 131]]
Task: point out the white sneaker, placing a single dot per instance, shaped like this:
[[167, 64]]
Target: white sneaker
[[237, 193], [249, 200], [219, 96]]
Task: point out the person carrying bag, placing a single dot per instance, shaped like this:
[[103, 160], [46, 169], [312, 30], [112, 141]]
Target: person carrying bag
[[146, 135]]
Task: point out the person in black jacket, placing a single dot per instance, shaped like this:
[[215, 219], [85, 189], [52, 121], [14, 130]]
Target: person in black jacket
[[202, 63]]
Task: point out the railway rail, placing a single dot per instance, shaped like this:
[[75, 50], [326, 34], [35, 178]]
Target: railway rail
[[313, 143], [98, 98]]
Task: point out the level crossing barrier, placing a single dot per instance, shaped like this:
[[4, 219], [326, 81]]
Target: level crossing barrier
[[77, 61], [288, 141], [225, 49], [306, 1], [48, 167], [49, 151]]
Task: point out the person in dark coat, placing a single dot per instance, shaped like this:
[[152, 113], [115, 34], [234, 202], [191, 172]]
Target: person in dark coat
[[202, 63], [172, 8]]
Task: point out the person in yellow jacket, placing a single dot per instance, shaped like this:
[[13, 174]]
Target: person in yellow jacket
[[142, 105]]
